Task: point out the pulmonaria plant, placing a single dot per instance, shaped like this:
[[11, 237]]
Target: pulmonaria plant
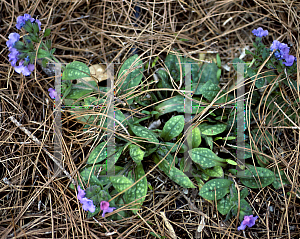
[[23, 53], [104, 206]]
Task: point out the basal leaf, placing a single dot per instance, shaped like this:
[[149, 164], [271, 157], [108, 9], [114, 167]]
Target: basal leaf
[[173, 127], [144, 133], [215, 189], [136, 153], [209, 90], [206, 158], [75, 70], [263, 176], [208, 72], [138, 191], [131, 74], [212, 129]]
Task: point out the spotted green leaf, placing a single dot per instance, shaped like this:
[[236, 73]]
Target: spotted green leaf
[[252, 178], [216, 172], [173, 147], [173, 127], [209, 90], [243, 194], [173, 173], [88, 175], [131, 74], [144, 133], [206, 158], [224, 205], [138, 192], [194, 138], [176, 103], [99, 153], [212, 129], [277, 183], [136, 153], [215, 189], [209, 141], [120, 183], [174, 63], [208, 72], [245, 209], [75, 70]]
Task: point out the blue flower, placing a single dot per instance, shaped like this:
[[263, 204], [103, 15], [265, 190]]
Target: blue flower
[[13, 38], [21, 20], [25, 70], [275, 45], [248, 221], [87, 204], [39, 23], [13, 56], [259, 32], [289, 60], [53, 95]]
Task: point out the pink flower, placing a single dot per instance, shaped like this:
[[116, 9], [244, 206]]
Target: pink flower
[[53, 94], [104, 206], [248, 221]]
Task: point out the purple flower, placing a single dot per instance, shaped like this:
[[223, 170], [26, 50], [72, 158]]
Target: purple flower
[[259, 32], [81, 193], [13, 38], [39, 23], [25, 70], [275, 45], [248, 221], [289, 60], [88, 205], [21, 20], [53, 95], [104, 206], [13, 56]]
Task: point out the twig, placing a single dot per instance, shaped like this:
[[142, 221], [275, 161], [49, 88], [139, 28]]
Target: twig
[[35, 139]]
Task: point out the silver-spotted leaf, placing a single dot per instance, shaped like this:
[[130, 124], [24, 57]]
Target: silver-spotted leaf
[[100, 153], [176, 103], [194, 138], [212, 129], [173, 173], [224, 205], [173, 127], [216, 172], [120, 183], [75, 70], [136, 153], [262, 178], [209, 141], [206, 158], [209, 90], [215, 189], [144, 133], [131, 74], [208, 72], [138, 192]]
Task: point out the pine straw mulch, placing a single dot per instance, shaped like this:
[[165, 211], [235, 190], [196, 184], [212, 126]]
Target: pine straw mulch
[[35, 203]]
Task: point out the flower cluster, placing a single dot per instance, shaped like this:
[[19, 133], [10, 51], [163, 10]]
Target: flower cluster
[[24, 53], [87, 204], [281, 49], [259, 32], [248, 221], [282, 53]]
